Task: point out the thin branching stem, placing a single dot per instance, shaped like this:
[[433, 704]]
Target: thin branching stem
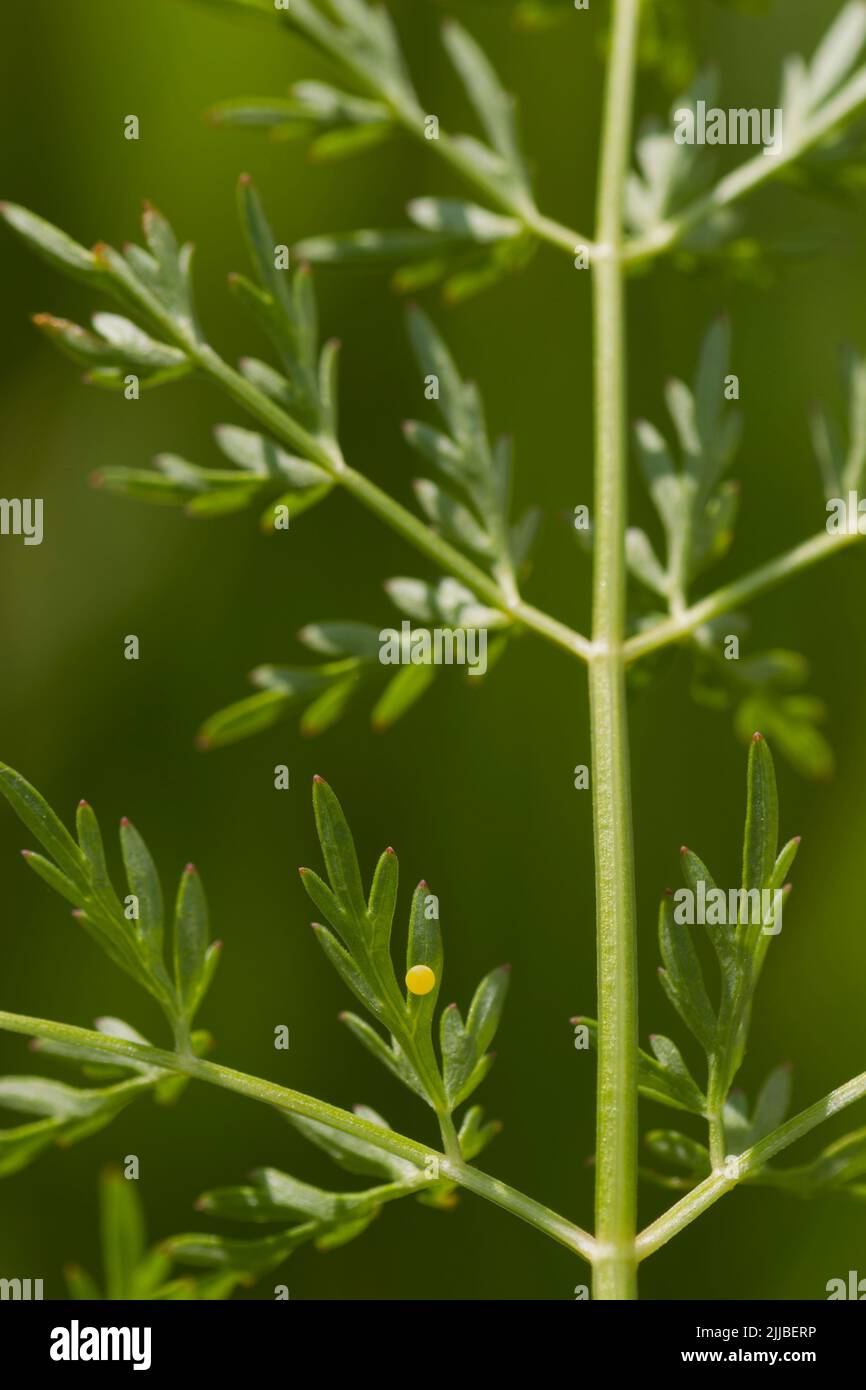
[[296, 1103], [753, 174], [674, 629], [411, 117], [523, 209], [370, 495], [746, 1164]]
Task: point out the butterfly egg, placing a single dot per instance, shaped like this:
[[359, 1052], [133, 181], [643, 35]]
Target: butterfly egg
[[420, 979]]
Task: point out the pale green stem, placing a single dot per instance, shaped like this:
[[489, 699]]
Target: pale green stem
[[412, 118], [450, 1138], [740, 591], [522, 208], [751, 175], [296, 1103], [717, 1141], [615, 1268], [327, 454], [682, 1213]]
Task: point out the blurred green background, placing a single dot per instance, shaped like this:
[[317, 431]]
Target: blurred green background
[[474, 789]]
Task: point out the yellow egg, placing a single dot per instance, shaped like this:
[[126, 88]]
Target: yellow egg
[[420, 979]]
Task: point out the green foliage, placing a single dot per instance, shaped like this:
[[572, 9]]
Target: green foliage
[[468, 504], [325, 692], [129, 932], [67, 1114], [358, 945], [817, 97], [359, 948], [338, 124], [664, 1076], [669, 175], [156, 284], [472, 509], [721, 1026], [466, 245], [836, 1171], [841, 453], [290, 463], [697, 508], [741, 945], [809, 91], [131, 1270], [319, 1217], [763, 690]]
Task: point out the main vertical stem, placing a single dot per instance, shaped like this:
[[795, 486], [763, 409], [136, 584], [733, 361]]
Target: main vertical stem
[[615, 1271]]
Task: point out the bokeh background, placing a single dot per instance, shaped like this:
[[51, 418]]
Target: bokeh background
[[474, 789]]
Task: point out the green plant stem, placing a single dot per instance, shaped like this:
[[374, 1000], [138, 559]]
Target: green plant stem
[[802, 557], [615, 1269], [296, 1103], [327, 454], [718, 1152], [523, 208], [682, 1213], [450, 1138], [749, 176], [406, 524], [411, 118]]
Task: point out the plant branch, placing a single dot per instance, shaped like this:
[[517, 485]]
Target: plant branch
[[616, 1161], [296, 1103], [410, 116], [523, 208], [370, 495], [682, 1213], [325, 451], [802, 557], [751, 175]]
